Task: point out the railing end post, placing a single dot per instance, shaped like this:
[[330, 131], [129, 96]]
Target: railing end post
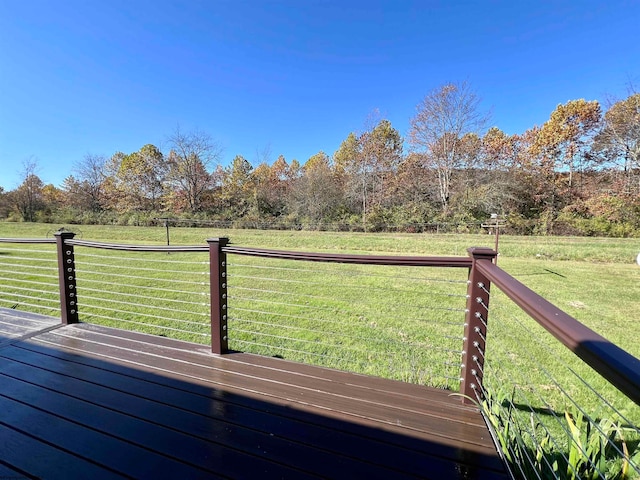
[[67, 277], [475, 327], [218, 294]]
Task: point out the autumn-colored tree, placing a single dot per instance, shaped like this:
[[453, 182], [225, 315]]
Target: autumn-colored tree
[[471, 175], [381, 154], [281, 177], [499, 150], [566, 137], [416, 190], [345, 159], [136, 180], [366, 163], [316, 194], [52, 197], [273, 186], [238, 187], [497, 175], [262, 199], [442, 119], [27, 198]]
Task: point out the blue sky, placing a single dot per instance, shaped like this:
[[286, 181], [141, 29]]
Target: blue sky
[[288, 77]]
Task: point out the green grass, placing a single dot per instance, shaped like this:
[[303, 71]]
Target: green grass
[[392, 322]]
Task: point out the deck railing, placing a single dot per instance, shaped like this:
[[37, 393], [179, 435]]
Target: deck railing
[[527, 383], [393, 316]]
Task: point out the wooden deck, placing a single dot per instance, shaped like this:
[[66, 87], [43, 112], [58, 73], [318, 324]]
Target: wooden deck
[[83, 401]]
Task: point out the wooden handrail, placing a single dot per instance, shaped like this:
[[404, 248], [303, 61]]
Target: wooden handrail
[[399, 260], [139, 248], [616, 365], [27, 240]]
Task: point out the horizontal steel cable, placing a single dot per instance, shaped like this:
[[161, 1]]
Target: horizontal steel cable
[[140, 269], [147, 297], [138, 314], [145, 287], [333, 300], [511, 451], [342, 286], [34, 305], [29, 267], [146, 260], [33, 259], [337, 311], [155, 307], [33, 282], [35, 290], [137, 277], [30, 297]]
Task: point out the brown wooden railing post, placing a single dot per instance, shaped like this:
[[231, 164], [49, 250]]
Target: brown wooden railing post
[[67, 278], [475, 327], [218, 281]]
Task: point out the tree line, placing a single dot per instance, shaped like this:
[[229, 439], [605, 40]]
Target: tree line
[[578, 173]]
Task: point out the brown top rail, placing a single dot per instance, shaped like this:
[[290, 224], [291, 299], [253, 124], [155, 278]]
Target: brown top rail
[[27, 240], [138, 248], [619, 367], [353, 258]]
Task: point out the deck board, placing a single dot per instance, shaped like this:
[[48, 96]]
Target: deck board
[[16, 324], [114, 403]]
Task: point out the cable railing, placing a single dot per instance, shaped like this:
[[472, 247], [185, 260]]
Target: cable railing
[[563, 407], [150, 292], [29, 275], [561, 400], [399, 322]]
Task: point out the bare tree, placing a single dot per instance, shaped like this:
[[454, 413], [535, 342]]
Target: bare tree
[[263, 155], [443, 118], [190, 159], [90, 175], [618, 140]]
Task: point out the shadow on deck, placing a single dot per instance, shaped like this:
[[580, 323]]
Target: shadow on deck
[[85, 401]]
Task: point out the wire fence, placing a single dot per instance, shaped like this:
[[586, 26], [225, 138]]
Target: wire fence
[[150, 292], [371, 226], [29, 278], [553, 416], [403, 322]]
